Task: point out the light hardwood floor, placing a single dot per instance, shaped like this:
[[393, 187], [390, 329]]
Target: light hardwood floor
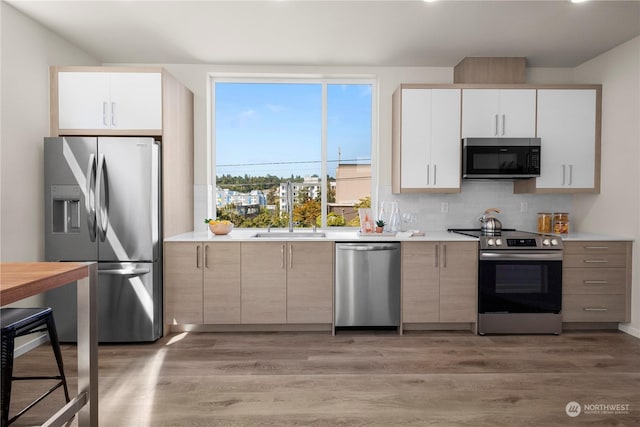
[[356, 378]]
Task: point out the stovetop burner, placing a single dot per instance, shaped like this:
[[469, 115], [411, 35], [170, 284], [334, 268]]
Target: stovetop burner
[[512, 239]]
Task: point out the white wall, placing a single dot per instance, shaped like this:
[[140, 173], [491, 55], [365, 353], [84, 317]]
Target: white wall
[[616, 210], [28, 49]]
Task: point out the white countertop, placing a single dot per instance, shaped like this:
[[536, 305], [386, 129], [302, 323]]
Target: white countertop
[[342, 235], [591, 236]]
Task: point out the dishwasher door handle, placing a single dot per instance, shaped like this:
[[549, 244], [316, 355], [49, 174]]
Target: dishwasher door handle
[[367, 248]]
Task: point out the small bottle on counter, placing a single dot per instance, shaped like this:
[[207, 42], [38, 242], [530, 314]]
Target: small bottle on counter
[[561, 222], [545, 222]]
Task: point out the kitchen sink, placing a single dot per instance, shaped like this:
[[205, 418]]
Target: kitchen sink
[[290, 235]]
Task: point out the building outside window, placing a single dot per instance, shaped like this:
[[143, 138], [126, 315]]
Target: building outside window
[[316, 134]]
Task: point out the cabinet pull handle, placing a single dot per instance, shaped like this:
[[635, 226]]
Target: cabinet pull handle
[[594, 309], [444, 256], [290, 256], [564, 170], [104, 114], [496, 128], [570, 174], [427, 174], [437, 254], [206, 256], [113, 114], [282, 256], [503, 122], [198, 256], [597, 248], [596, 282], [596, 261], [435, 175]]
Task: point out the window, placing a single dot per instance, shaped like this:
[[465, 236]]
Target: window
[[315, 135]]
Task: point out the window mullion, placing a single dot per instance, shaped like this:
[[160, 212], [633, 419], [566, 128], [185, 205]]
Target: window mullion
[[323, 167]]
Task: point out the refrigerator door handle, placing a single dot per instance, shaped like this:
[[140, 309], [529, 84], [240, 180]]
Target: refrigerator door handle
[[90, 200], [126, 271], [102, 194]]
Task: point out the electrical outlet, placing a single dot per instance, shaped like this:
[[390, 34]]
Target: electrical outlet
[[444, 207], [524, 207]]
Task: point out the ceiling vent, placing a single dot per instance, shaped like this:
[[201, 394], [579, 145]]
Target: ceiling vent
[[491, 70]]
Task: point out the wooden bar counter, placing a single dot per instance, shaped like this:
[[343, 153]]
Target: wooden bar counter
[[22, 280]]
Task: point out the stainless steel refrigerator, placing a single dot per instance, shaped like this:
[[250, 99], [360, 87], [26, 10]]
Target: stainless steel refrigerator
[[102, 203]]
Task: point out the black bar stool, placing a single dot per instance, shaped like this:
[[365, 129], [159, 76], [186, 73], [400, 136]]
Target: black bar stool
[[17, 322]]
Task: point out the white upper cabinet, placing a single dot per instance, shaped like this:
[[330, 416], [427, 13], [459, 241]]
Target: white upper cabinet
[[428, 144], [498, 113], [109, 100], [567, 128]]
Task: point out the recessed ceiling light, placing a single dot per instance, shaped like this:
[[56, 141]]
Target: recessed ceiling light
[[578, 1]]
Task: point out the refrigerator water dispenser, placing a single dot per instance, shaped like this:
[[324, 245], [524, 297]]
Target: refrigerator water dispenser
[[65, 208]]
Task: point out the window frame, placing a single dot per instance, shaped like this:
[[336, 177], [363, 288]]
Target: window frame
[[324, 81]]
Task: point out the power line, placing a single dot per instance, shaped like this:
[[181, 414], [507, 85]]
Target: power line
[[290, 163]]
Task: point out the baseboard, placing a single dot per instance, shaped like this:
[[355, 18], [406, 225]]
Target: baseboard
[[30, 345], [628, 329], [267, 327]]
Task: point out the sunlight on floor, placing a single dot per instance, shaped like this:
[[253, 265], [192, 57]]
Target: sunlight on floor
[[135, 400], [177, 338]]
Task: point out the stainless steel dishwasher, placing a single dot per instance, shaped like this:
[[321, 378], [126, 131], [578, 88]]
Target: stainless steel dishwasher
[[367, 284]]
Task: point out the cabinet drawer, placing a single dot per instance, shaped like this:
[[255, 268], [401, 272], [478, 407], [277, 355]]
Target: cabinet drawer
[[594, 281], [593, 308], [595, 247], [603, 260]]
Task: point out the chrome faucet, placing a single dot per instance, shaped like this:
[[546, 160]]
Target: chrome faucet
[[289, 188]]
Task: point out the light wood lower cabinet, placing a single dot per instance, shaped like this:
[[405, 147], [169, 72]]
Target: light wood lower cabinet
[[310, 282], [221, 285], [183, 269], [439, 282], [596, 281], [263, 282], [232, 283], [420, 282], [202, 282], [287, 282], [459, 282]]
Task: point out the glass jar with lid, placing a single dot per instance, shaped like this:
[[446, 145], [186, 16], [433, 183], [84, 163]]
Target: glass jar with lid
[[545, 222], [561, 222]]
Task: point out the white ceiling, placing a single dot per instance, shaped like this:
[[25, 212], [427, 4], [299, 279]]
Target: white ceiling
[[552, 33]]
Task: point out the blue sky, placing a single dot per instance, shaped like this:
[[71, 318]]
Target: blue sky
[[275, 128]]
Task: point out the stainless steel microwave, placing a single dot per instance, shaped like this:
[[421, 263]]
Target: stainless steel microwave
[[500, 158]]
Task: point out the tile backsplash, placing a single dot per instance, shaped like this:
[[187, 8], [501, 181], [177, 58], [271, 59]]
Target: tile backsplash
[[462, 210]]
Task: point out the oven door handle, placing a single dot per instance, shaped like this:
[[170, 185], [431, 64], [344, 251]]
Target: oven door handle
[[521, 256]]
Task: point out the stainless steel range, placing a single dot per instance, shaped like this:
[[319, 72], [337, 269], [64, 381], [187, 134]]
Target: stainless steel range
[[519, 282]]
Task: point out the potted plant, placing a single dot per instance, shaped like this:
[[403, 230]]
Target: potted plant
[[380, 226]]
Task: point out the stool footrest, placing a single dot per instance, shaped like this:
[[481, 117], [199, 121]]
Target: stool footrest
[[59, 378], [35, 402]]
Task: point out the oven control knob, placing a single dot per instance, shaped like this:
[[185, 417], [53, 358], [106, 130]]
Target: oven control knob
[[546, 242], [554, 242], [490, 242], [498, 242]]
